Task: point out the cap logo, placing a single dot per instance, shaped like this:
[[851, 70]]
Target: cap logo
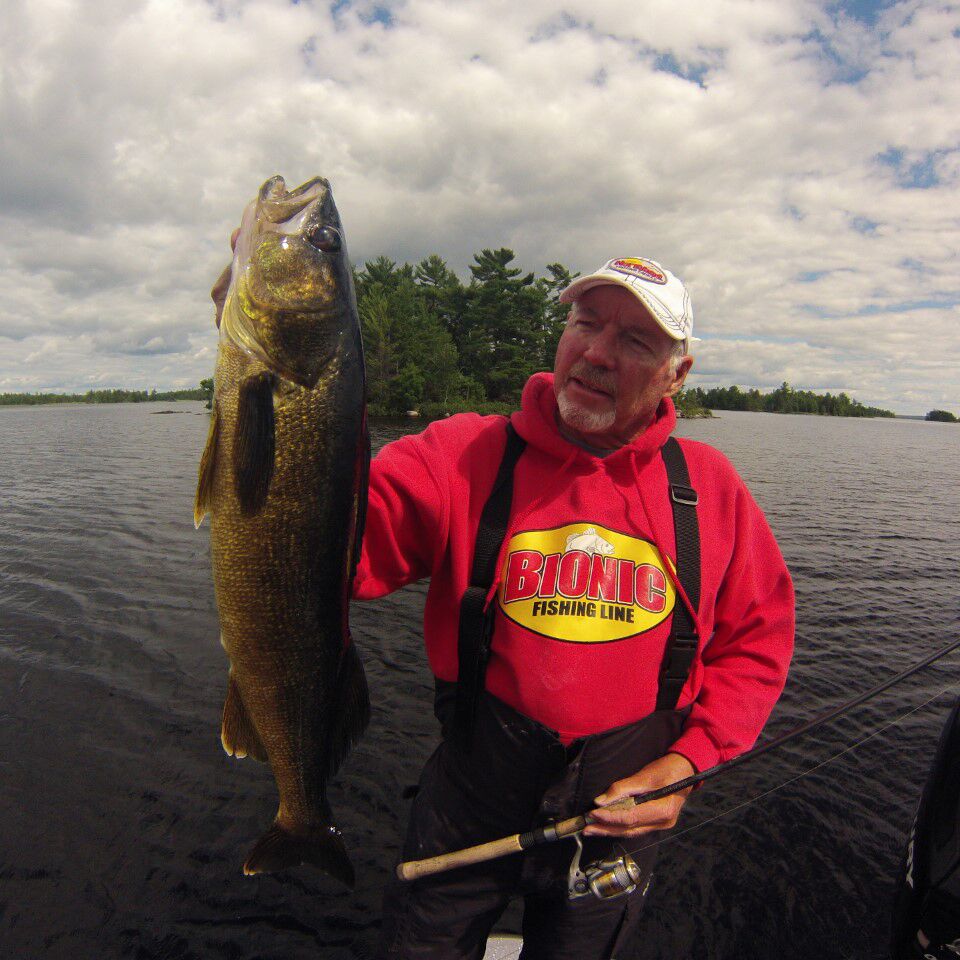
[[644, 269]]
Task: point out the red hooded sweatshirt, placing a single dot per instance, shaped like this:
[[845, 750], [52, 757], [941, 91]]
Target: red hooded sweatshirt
[[586, 587]]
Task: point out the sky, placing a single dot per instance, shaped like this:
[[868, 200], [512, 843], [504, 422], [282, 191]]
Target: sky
[[796, 163]]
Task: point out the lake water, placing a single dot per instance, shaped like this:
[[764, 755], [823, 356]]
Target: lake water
[[123, 825]]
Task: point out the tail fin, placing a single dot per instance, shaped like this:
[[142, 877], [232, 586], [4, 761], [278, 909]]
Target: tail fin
[[279, 849]]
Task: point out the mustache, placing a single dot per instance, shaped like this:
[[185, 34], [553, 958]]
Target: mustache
[[603, 380]]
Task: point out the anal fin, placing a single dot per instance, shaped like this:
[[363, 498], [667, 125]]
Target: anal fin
[[238, 734], [203, 499]]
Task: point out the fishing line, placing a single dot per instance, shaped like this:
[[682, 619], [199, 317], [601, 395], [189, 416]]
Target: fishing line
[[799, 776]]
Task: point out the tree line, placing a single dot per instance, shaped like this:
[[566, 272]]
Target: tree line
[[101, 396], [785, 399], [437, 345]]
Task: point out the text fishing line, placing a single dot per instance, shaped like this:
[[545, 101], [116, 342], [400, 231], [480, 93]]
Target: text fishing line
[[766, 793]]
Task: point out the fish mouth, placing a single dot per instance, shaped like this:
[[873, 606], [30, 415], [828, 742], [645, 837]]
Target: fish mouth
[[291, 300], [277, 204]]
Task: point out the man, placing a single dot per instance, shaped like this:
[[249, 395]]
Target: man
[[570, 713]]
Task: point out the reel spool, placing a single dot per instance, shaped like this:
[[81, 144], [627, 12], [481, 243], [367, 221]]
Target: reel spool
[[615, 876]]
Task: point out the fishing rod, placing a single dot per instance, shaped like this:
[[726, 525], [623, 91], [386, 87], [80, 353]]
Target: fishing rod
[[616, 873]]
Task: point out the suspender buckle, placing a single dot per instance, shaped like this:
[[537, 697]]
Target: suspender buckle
[[685, 495], [681, 655]]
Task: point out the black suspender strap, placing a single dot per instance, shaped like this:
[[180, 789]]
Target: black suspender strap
[[476, 625], [682, 643]]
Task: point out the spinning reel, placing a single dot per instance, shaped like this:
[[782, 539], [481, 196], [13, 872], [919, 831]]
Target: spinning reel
[[615, 876]]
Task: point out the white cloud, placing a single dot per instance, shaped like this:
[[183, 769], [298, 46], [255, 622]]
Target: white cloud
[[134, 134]]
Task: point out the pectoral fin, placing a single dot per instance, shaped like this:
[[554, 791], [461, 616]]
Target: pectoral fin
[[203, 499], [238, 734], [254, 443]]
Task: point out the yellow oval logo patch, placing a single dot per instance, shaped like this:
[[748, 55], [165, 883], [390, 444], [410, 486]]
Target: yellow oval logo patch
[[584, 583], [645, 269]]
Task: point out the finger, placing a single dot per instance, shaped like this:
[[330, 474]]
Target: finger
[[622, 790], [627, 813], [596, 830], [635, 787], [218, 292], [657, 819], [233, 239], [625, 804]]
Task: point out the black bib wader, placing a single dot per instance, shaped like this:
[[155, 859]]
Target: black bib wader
[[498, 772]]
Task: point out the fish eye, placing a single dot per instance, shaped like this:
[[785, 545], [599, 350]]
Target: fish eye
[[326, 238]]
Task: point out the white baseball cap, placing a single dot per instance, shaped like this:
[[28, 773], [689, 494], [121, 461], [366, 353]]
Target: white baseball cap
[[657, 289]]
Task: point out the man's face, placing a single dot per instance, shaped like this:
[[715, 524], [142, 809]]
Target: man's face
[[613, 367]]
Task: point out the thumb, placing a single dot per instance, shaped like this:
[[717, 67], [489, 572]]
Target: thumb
[[616, 791]]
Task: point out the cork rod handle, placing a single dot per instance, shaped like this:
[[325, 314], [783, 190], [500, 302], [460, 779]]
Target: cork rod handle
[[459, 858], [412, 869]]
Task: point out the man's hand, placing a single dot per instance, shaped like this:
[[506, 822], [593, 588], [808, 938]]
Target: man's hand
[[218, 294], [647, 817]]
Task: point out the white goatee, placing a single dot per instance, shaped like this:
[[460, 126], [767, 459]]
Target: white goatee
[[587, 421]]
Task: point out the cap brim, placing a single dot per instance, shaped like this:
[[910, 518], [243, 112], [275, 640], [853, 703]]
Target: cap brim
[[582, 284]]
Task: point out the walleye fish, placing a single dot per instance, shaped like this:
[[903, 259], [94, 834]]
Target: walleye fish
[[284, 479]]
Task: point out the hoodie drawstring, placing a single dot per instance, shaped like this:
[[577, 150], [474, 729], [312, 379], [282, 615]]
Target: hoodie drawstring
[[515, 522]]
